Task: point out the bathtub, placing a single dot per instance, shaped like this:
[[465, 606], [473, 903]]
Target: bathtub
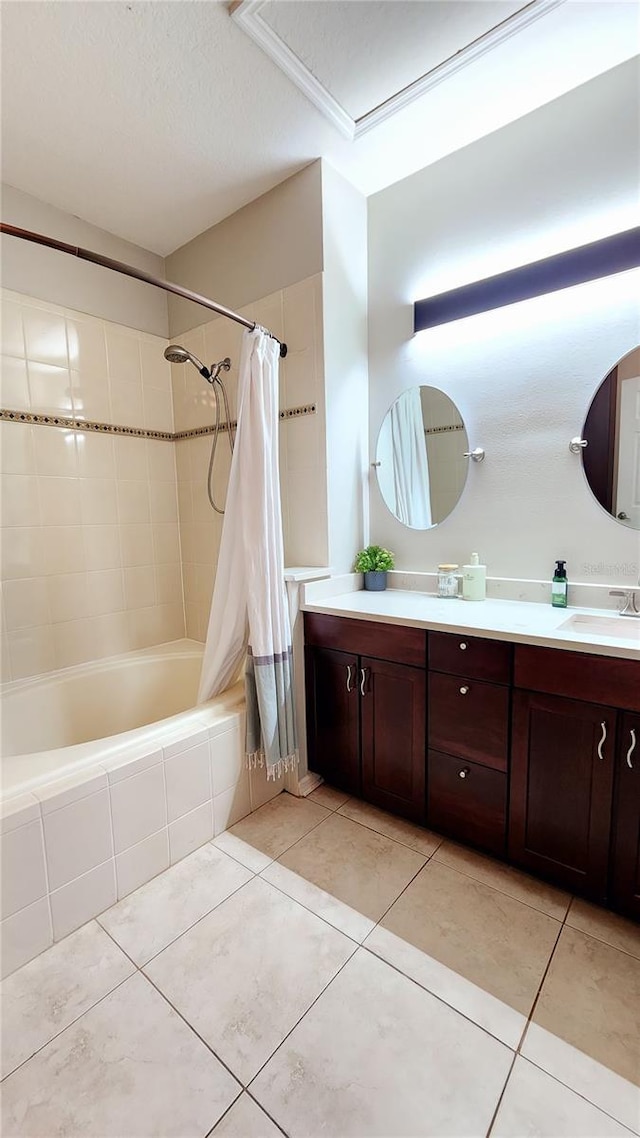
[[110, 773]]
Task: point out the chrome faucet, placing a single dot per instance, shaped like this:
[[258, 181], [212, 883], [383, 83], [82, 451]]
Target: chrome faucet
[[630, 606]]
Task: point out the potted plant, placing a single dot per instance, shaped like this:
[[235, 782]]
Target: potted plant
[[374, 562]]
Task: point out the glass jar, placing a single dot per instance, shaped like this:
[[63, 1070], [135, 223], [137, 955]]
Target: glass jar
[[447, 581]]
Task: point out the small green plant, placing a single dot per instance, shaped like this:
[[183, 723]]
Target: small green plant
[[374, 559]]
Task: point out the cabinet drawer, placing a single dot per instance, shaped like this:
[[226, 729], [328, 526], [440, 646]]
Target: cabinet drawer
[[470, 656], [577, 675], [469, 718], [467, 801], [396, 642]]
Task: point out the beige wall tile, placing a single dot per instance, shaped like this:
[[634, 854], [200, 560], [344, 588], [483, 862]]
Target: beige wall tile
[[11, 332], [56, 452], [60, 500], [63, 549], [14, 386], [17, 454], [21, 552], [45, 336], [26, 603], [50, 389]]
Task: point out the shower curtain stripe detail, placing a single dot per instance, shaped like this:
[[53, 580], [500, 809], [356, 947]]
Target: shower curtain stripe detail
[[249, 621]]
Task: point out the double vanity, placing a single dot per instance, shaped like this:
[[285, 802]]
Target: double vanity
[[510, 726]]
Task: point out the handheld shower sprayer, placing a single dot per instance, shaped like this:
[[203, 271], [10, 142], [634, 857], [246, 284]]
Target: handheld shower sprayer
[[177, 355]]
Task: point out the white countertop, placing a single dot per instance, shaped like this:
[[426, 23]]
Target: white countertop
[[596, 631]]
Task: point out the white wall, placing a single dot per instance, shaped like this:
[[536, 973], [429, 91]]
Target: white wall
[[523, 376], [346, 395], [269, 244], [61, 279]]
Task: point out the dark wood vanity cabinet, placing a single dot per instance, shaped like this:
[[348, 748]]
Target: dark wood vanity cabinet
[[468, 732], [562, 764], [565, 764], [625, 853], [366, 710], [530, 753]]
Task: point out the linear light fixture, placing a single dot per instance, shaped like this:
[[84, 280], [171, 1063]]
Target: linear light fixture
[[601, 258]]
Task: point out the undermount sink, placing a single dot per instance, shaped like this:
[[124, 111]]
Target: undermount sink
[[623, 628]]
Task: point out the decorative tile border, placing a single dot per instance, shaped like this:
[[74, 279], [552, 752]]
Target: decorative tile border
[[71, 424], [441, 430]]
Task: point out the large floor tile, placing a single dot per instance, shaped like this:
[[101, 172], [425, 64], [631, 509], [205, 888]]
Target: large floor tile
[[149, 919], [601, 1086], [245, 1119], [416, 837], [359, 867], [591, 999], [554, 902], [130, 1066], [377, 1057], [248, 971], [604, 925], [328, 797], [499, 945], [534, 1104], [278, 824], [319, 901], [50, 992]]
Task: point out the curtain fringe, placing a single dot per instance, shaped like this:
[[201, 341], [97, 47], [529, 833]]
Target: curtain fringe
[[283, 766]]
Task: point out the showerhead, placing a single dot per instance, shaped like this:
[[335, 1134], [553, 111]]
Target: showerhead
[[177, 355]]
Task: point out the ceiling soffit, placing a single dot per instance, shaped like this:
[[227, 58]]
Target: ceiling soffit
[[259, 19]]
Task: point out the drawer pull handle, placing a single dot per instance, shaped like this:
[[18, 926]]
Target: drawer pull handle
[[603, 725], [632, 736], [463, 773], [349, 684], [363, 677], [464, 689], [462, 646]]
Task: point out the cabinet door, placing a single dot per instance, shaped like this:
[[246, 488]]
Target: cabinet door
[[393, 713], [333, 721], [625, 876], [561, 788]]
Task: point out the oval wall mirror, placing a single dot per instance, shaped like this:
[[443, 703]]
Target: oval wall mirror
[[420, 457], [611, 458]]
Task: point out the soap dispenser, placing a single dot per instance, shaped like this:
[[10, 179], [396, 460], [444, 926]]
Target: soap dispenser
[[559, 586], [474, 580]]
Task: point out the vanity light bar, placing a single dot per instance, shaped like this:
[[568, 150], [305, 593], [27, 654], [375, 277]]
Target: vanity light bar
[[601, 258]]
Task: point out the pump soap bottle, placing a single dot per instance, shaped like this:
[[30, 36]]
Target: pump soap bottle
[[559, 586], [474, 580]]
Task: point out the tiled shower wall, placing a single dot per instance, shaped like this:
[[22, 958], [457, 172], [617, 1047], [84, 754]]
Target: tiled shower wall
[[90, 539], [293, 314], [94, 560]]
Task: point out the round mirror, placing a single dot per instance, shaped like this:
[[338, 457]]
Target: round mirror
[[420, 457], [611, 458]]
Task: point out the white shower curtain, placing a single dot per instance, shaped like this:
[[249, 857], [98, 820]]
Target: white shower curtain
[[249, 611], [404, 470]]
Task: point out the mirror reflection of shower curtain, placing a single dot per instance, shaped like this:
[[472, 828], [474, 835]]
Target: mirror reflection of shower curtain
[[404, 470]]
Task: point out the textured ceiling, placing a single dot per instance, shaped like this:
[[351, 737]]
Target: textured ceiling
[[154, 120], [365, 53]]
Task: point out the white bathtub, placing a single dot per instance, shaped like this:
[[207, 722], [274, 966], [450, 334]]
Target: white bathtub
[[111, 773]]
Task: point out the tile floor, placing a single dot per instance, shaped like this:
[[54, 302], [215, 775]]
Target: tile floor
[[324, 969]]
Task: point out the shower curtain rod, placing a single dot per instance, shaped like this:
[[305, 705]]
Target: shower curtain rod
[[131, 271]]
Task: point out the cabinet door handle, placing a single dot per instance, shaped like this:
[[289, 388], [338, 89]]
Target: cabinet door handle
[[602, 740], [463, 773], [632, 736], [464, 689], [363, 677], [349, 684], [462, 646]]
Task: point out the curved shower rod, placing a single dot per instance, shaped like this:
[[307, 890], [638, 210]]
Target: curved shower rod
[[131, 271]]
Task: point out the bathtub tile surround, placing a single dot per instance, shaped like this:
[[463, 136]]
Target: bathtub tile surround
[[81, 509], [73, 846], [287, 1005]]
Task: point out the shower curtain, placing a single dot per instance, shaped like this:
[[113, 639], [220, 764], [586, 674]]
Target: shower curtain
[[404, 471], [249, 612]]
